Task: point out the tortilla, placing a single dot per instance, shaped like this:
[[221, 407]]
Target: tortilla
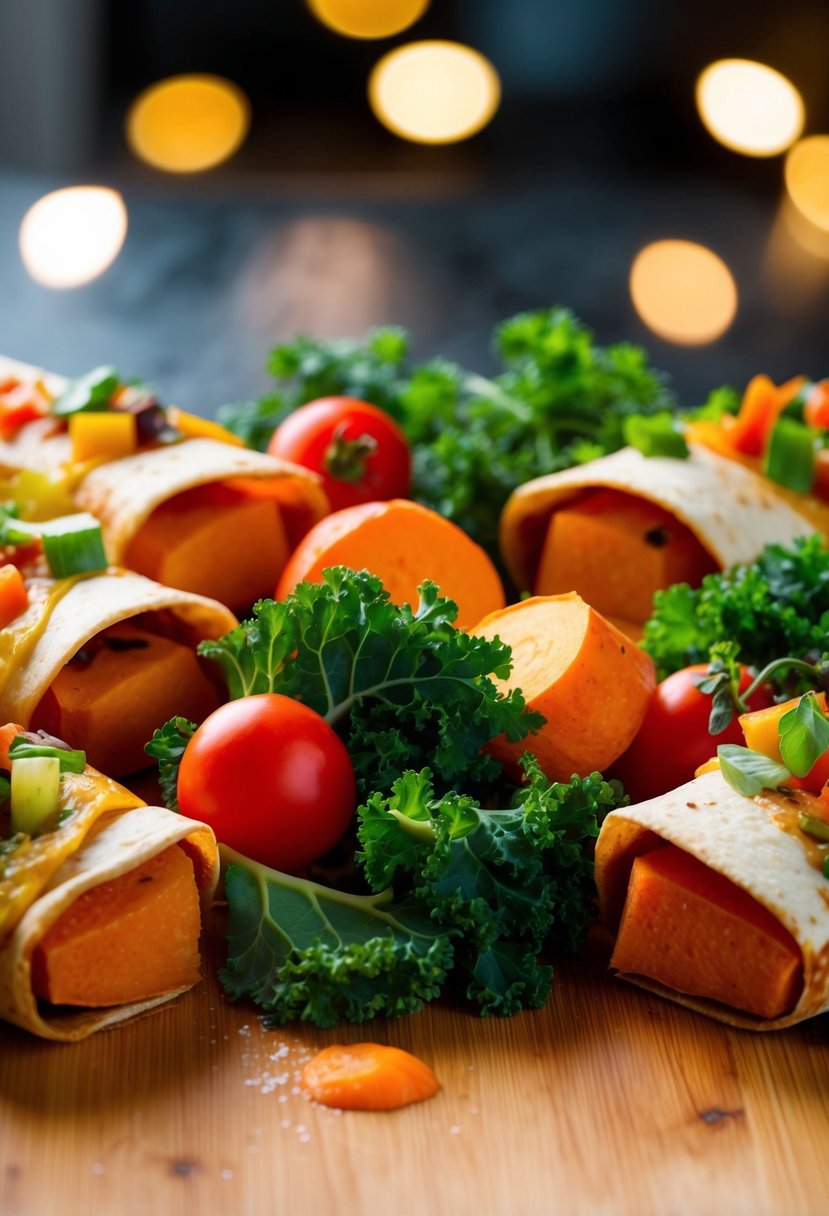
[[124, 493], [731, 510], [110, 833], [62, 616], [754, 842]]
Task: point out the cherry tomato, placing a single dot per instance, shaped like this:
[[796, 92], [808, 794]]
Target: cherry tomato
[[359, 451], [673, 740], [271, 778]]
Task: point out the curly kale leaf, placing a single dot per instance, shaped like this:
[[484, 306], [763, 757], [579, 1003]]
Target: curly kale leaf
[[510, 881], [403, 685], [167, 747], [305, 952], [776, 606]]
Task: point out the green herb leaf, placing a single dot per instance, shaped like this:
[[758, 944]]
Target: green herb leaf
[[776, 605], [804, 735], [167, 747], [69, 761], [91, 391], [750, 772]]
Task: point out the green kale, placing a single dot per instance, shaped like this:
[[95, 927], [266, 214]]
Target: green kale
[[403, 686], [777, 605], [167, 747], [306, 952], [510, 882], [560, 400], [477, 895]]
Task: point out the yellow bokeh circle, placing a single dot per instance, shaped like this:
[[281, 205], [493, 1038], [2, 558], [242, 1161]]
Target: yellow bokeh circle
[[683, 292], [434, 92], [188, 124]]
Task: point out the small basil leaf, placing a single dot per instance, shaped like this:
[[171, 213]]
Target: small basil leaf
[[89, 392], [71, 761], [749, 772], [804, 735]]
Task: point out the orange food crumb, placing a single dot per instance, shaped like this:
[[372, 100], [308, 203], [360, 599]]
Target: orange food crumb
[[367, 1076]]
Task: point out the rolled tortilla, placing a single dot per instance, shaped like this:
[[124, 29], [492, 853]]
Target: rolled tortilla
[[109, 833], [731, 510], [124, 493], [753, 842], [63, 616]]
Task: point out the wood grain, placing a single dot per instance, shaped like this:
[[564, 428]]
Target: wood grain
[[607, 1101]]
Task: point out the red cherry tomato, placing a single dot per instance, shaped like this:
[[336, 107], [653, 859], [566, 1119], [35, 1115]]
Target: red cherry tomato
[[673, 740], [359, 451], [271, 778]]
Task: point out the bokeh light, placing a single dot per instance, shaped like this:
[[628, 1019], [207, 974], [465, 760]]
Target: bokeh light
[[70, 236], [434, 92], [683, 292], [749, 107], [368, 18], [188, 123], [807, 179]]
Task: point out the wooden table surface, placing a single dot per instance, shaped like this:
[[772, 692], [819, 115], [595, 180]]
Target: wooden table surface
[[607, 1101]]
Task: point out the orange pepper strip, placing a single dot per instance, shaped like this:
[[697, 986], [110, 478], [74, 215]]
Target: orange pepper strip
[[14, 597], [762, 405], [195, 427], [367, 1076]]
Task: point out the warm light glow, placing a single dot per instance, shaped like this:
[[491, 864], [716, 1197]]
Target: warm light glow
[[434, 92], [368, 18], [71, 236], [807, 179], [683, 292], [749, 107], [188, 123]]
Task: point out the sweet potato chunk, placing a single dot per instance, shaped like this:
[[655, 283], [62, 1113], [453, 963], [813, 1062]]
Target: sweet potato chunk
[[113, 694], [213, 540], [134, 937], [616, 551], [688, 927], [586, 677], [402, 543]]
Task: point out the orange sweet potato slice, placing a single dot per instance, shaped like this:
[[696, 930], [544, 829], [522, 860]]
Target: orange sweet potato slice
[[367, 1076], [110, 698], [215, 541], [134, 937], [616, 550], [691, 929], [403, 543], [585, 676]]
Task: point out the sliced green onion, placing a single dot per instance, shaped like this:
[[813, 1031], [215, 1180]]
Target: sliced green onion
[[89, 392], [35, 793], [656, 435], [790, 455], [73, 544], [812, 826], [70, 761]]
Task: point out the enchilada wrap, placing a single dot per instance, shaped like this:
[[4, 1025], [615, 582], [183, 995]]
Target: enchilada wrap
[[184, 508], [717, 901], [100, 913], [621, 527], [101, 660]]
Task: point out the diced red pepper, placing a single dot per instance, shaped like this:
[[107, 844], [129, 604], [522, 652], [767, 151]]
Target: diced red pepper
[[816, 409], [19, 404]]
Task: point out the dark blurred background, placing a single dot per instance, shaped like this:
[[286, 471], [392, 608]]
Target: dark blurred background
[[325, 222]]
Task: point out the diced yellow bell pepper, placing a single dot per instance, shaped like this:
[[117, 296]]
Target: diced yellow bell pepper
[[106, 434], [195, 427], [710, 766], [761, 727]]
